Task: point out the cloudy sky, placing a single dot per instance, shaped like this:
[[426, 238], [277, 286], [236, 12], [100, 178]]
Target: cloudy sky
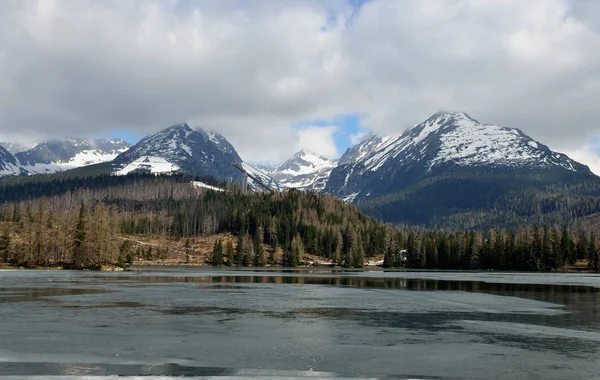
[[277, 75]]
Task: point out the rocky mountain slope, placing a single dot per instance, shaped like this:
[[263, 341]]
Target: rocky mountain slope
[[64, 154], [181, 148], [14, 148], [447, 165], [9, 165], [305, 171]]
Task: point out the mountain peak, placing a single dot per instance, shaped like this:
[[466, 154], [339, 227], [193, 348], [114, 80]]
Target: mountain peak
[[447, 142], [180, 127], [178, 147], [304, 170], [450, 116]]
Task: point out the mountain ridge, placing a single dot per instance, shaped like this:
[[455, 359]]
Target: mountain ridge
[[446, 142], [305, 170]]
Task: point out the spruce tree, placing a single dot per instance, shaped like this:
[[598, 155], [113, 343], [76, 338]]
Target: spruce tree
[[230, 252], [566, 249], [358, 256], [80, 259], [4, 245], [249, 251], [259, 254], [217, 254], [240, 251], [594, 259]]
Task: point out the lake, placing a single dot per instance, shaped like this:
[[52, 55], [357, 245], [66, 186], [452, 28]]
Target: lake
[[170, 322]]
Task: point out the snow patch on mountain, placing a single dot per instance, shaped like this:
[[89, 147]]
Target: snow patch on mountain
[[262, 176], [9, 169], [64, 154], [149, 164], [205, 186], [81, 159]]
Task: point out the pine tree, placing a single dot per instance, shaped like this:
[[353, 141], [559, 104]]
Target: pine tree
[[339, 245], [594, 255], [16, 216], [230, 253], [290, 258], [358, 256], [217, 254], [240, 251], [187, 250], [566, 249], [259, 254], [249, 253], [582, 247], [535, 254], [80, 259], [4, 246]]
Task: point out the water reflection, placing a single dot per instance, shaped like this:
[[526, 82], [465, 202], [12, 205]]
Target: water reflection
[[202, 322], [40, 294], [225, 281], [103, 369]]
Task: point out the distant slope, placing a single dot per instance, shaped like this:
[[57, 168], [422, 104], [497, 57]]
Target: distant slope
[[304, 171], [14, 148], [64, 154], [9, 165]]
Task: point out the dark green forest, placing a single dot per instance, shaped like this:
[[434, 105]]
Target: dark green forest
[[467, 201]]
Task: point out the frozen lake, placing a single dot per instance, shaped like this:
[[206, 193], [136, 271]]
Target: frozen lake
[[203, 322]]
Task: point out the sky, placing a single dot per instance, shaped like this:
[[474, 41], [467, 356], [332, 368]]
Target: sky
[[276, 76]]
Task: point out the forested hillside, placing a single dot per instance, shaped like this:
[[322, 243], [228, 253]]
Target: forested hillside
[[481, 201], [81, 226], [84, 222]]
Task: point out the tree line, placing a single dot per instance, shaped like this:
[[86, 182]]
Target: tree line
[[82, 229]]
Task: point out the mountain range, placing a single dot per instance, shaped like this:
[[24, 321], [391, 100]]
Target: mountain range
[[57, 155], [449, 170]]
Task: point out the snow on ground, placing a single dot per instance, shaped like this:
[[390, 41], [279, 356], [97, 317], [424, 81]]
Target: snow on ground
[[155, 165], [350, 198], [205, 186]]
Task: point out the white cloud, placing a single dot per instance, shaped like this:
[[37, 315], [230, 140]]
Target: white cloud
[[587, 155], [253, 69], [318, 140], [358, 137]]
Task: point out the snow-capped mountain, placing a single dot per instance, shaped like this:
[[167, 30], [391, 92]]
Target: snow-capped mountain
[[15, 148], [263, 176], [304, 170], [8, 164], [181, 148], [64, 154], [448, 142]]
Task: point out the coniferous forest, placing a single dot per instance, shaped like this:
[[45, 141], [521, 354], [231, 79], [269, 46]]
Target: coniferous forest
[[81, 223]]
